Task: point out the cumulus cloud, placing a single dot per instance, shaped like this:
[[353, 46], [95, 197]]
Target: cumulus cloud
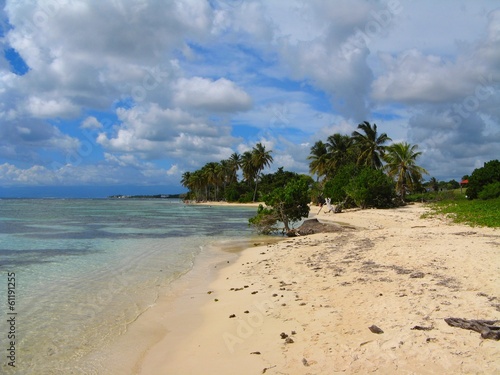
[[154, 88], [221, 95], [153, 132]]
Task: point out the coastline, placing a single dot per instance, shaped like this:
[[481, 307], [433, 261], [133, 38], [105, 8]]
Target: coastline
[[224, 204], [396, 271]]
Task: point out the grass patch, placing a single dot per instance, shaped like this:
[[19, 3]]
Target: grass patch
[[472, 212]]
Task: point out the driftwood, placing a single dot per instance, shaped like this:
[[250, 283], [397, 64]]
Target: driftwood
[[486, 328]]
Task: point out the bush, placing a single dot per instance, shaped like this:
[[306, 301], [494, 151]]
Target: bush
[[246, 197], [287, 204], [371, 188], [488, 174], [335, 188], [432, 196], [490, 191], [265, 221]]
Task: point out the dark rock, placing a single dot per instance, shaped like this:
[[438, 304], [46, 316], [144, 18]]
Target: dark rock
[[312, 226], [375, 329]]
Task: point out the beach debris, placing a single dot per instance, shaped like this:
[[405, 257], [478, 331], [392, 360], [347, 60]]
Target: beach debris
[[267, 368], [304, 362], [289, 340], [375, 329], [216, 300], [294, 333], [422, 328], [255, 292], [283, 335], [258, 353], [487, 328], [417, 275], [232, 316], [210, 292]]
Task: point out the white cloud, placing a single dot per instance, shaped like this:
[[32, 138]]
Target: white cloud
[[155, 133], [42, 108], [154, 88], [221, 95], [91, 123]]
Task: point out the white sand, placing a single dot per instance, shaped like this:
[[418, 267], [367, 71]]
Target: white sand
[[396, 271]]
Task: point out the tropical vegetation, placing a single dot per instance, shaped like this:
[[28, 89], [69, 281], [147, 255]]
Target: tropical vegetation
[[219, 180], [357, 170]]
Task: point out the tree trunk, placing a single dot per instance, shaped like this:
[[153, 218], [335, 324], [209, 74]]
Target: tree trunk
[[255, 191]]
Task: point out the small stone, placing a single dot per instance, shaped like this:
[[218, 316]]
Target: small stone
[[283, 335], [232, 316], [375, 329], [289, 340]]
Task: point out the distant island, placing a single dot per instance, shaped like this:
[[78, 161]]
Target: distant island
[[156, 196]]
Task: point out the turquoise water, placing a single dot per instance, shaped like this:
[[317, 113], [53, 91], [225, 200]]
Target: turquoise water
[[85, 269]]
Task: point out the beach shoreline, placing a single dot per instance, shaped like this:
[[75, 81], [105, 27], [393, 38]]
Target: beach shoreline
[[304, 305]]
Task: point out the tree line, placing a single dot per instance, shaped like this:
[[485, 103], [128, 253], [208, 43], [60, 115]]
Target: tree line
[[219, 180], [357, 169], [361, 169]]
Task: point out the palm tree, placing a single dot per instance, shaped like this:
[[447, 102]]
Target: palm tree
[[371, 146], [185, 180], [196, 183], [401, 166], [260, 159], [319, 159], [340, 149], [247, 166], [234, 163]]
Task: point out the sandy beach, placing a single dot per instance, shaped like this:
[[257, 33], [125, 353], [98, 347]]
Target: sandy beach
[[304, 305]]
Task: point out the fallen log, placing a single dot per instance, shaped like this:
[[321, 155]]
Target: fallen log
[[486, 328]]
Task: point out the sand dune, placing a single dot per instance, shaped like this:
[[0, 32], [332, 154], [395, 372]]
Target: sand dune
[[305, 305]]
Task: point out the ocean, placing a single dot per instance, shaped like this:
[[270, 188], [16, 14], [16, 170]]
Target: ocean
[[80, 271]]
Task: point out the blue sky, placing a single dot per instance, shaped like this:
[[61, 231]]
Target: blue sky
[[102, 97]]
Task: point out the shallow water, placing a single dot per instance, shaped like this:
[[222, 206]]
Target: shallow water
[[85, 269]]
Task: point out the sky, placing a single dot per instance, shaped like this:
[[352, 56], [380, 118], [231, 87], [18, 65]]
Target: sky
[[124, 96]]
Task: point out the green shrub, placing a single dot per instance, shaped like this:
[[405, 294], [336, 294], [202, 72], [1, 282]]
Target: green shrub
[[488, 174], [371, 188], [335, 188], [490, 191], [287, 204]]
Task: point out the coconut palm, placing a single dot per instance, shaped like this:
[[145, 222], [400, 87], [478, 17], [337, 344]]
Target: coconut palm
[[211, 174], [340, 152], [234, 163], [260, 159], [371, 146], [195, 183], [185, 180], [401, 166], [319, 159], [247, 166]]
